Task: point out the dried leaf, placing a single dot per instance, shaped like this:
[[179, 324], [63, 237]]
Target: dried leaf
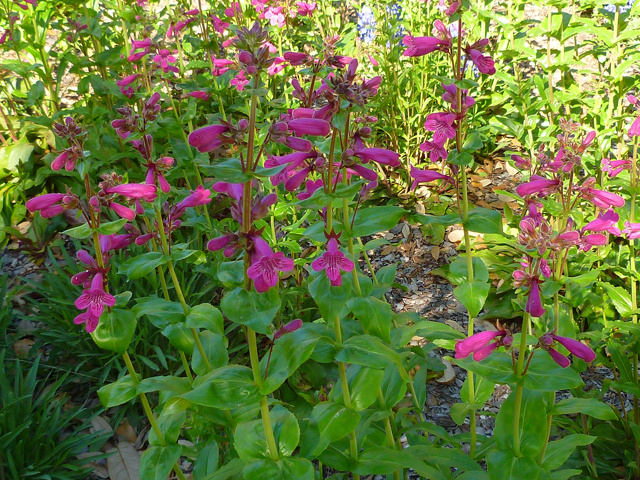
[[98, 470], [449, 374], [126, 430], [124, 464], [406, 230], [22, 347], [387, 250], [435, 252], [455, 325], [455, 236], [100, 424]]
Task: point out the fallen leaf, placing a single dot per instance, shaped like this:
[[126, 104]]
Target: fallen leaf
[[126, 430], [387, 250], [435, 252], [455, 325], [97, 469], [455, 236], [124, 463], [23, 347], [486, 326], [406, 230], [100, 424], [449, 374]]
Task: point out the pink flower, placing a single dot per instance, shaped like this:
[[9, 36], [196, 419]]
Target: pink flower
[[127, 80], [164, 59], [95, 298], [534, 306], [606, 222], [420, 176], [333, 262], [277, 66], [631, 230], [134, 190], [634, 130], [309, 126], [49, 204], [288, 328], [122, 211], [239, 81], [296, 59], [482, 344], [600, 198], [537, 185], [379, 155], [220, 65], [134, 57], [198, 197], [419, 46], [614, 167], [4, 36], [206, 139], [90, 321], [441, 126], [436, 150], [484, 63], [233, 9], [521, 162], [592, 240], [218, 25], [310, 187], [373, 61], [306, 9], [66, 159], [145, 43], [576, 348], [266, 265], [275, 16], [199, 94]]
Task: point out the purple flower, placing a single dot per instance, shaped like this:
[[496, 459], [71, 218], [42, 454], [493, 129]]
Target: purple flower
[[199, 94], [199, 196], [127, 80], [437, 151], [575, 347], [49, 204], [90, 321], [420, 176], [634, 130], [379, 155], [333, 262], [631, 230], [534, 306], [441, 125], [538, 185], [310, 187], [266, 265], [206, 139], [419, 46], [134, 190], [614, 167], [482, 344], [309, 126], [606, 222], [288, 328], [484, 63], [95, 298], [600, 198]]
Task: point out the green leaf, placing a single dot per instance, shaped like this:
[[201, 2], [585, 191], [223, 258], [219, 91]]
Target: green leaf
[[393, 387], [207, 461], [364, 385], [250, 441], [620, 298], [112, 227], [215, 348], [118, 392], [288, 468], [382, 461], [472, 296], [180, 337], [170, 421], [463, 159], [588, 406], [497, 368], [504, 465], [230, 470], [206, 316], [159, 311], [227, 171], [330, 300], [545, 375], [156, 462], [328, 422], [532, 423], [559, 451], [227, 387], [289, 352], [164, 384], [483, 220], [376, 219], [115, 330], [250, 308], [374, 315], [370, 352], [231, 273], [143, 265], [82, 231]]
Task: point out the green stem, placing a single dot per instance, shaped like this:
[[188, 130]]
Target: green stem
[[149, 412], [634, 295], [520, 386], [389, 432]]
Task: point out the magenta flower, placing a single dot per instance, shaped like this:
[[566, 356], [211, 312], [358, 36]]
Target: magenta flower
[[634, 130], [95, 298], [484, 63], [239, 81], [199, 94], [137, 44], [333, 262], [127, 80], [482, 344], [576, 348], [266, 265], [220, 66], [631, 230], [288, 328], [4, 36], [524, 164], [534, 306], [606, 222], [420, 176], [538, 185], [309, 126], [122, 211], [419, 46], [66, 159], [310, 188], [277, 66], [206, 139], [49, 204], [592, 240], [306, 9], [298, 144], [379, 155], [134, 191], [199, 196], [441, 124], [436, 150], [600, 198], [135, 56], [90, 321], [164, 59], [614, 167]]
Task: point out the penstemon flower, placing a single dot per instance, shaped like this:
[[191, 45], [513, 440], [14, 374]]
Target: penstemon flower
[[483, 344], [575, 347], [333, 262], [94, 300]]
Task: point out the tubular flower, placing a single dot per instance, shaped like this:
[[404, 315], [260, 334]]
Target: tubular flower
[[534, 306], [134, 191], [482, 344], [379, 155], [441, 124], [435, 150], [333, 262], [420, 176], [265, 266], [537, 186], [613, 168], [599, 198], [51, 204], [206, 139], [575, 347], [288, 328], [606, 222], [94, 299], [631, 230]]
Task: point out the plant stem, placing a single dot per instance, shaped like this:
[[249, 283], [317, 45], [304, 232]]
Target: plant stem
[[634, 294], [387, 427], [520, 386], [148, 411]]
